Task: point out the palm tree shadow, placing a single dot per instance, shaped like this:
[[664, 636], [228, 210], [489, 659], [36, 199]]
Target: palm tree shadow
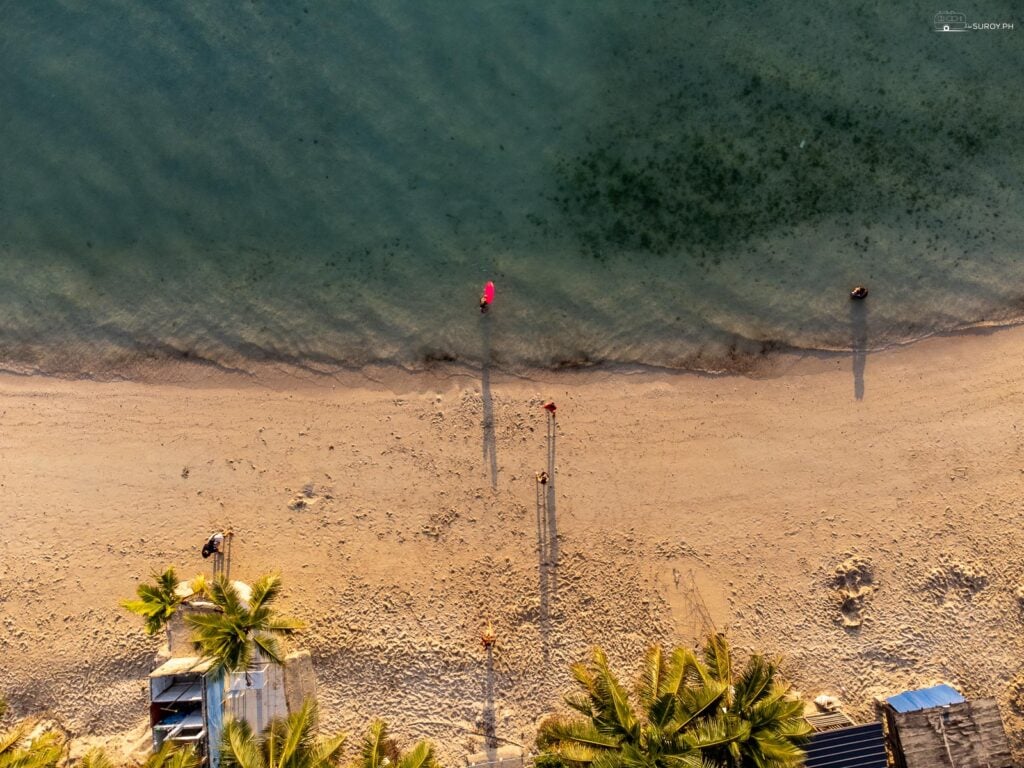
[[489, 441], [547, 541], [859, 327]]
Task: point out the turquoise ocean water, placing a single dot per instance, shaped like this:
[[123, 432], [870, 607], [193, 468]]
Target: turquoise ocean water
[[665, 183]]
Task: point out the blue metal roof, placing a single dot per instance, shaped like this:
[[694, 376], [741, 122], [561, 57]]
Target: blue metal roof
[[926, 698], [858, 746]]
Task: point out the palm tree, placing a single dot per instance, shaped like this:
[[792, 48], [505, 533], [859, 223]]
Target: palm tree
[[285, 743], [18, 749], [241, 629], [611, 733], [156, 602], [759, 698], [379, 750], [691, 713], [171, 755], [95, 758]]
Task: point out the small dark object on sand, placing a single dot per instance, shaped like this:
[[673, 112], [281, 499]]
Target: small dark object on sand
[[860, 292], [550, 407], [542, 478]]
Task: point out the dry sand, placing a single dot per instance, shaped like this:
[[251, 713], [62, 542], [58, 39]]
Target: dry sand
[[401, 522]]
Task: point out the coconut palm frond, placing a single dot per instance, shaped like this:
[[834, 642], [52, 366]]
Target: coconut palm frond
[[204, 621], [269, 646], [696, 704], [690, 760], [595, 684], [754, 683], [184, 757], [327, 752], [171, 755], [199, 586], [692, 714], [556, 732], [716, 732], [220, 639], [615, 712], [420, 756], [229, 637], [652, 675], [577, 754], [265, 591], [632, 757], [682, 667], [775, 751], [374, 747], [18, 749], [13, 736], [167, 581], [156, 602], [283, 625], [296, 733], [772, 713], [239, 747], [581, 702], [288, 742], [607, 760], [793, 727], [95, 758], [718, 658], [661, 711], [584, 676], [224, 595]]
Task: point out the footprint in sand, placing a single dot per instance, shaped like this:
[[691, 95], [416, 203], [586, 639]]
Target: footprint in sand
[[304, 500], [853, 581], [952, 578]]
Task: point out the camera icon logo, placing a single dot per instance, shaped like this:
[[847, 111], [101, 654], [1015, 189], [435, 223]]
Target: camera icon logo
[[950, 21]]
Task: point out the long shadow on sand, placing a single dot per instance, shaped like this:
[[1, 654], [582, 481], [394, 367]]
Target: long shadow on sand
[[547, 540], [222, 558], [859, 327], [490, 443], [489, 718]]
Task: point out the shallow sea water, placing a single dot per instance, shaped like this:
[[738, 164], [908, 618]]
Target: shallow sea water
[[329, 184]]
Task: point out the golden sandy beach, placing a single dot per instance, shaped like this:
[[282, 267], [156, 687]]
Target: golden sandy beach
[[402, 518]]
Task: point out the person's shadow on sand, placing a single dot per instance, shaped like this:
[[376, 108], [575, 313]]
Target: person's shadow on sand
[[859, 328], [547, 537], [490, 720], [489, 441]]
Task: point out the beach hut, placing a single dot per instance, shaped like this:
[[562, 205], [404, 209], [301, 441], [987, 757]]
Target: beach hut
[[185, 706], [188, 703], [938, 728]]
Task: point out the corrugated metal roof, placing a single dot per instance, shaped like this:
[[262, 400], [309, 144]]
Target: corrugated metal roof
[[181, 665], [859, 746], [829, 721], [926, 698]]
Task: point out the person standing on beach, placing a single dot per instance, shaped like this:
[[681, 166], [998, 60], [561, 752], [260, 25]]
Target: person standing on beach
[[213, 544], [486, 297]]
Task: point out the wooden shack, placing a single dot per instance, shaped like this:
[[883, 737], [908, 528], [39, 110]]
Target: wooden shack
[[954, 733]]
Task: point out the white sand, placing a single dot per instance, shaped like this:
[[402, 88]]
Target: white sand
[[761, 487]]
